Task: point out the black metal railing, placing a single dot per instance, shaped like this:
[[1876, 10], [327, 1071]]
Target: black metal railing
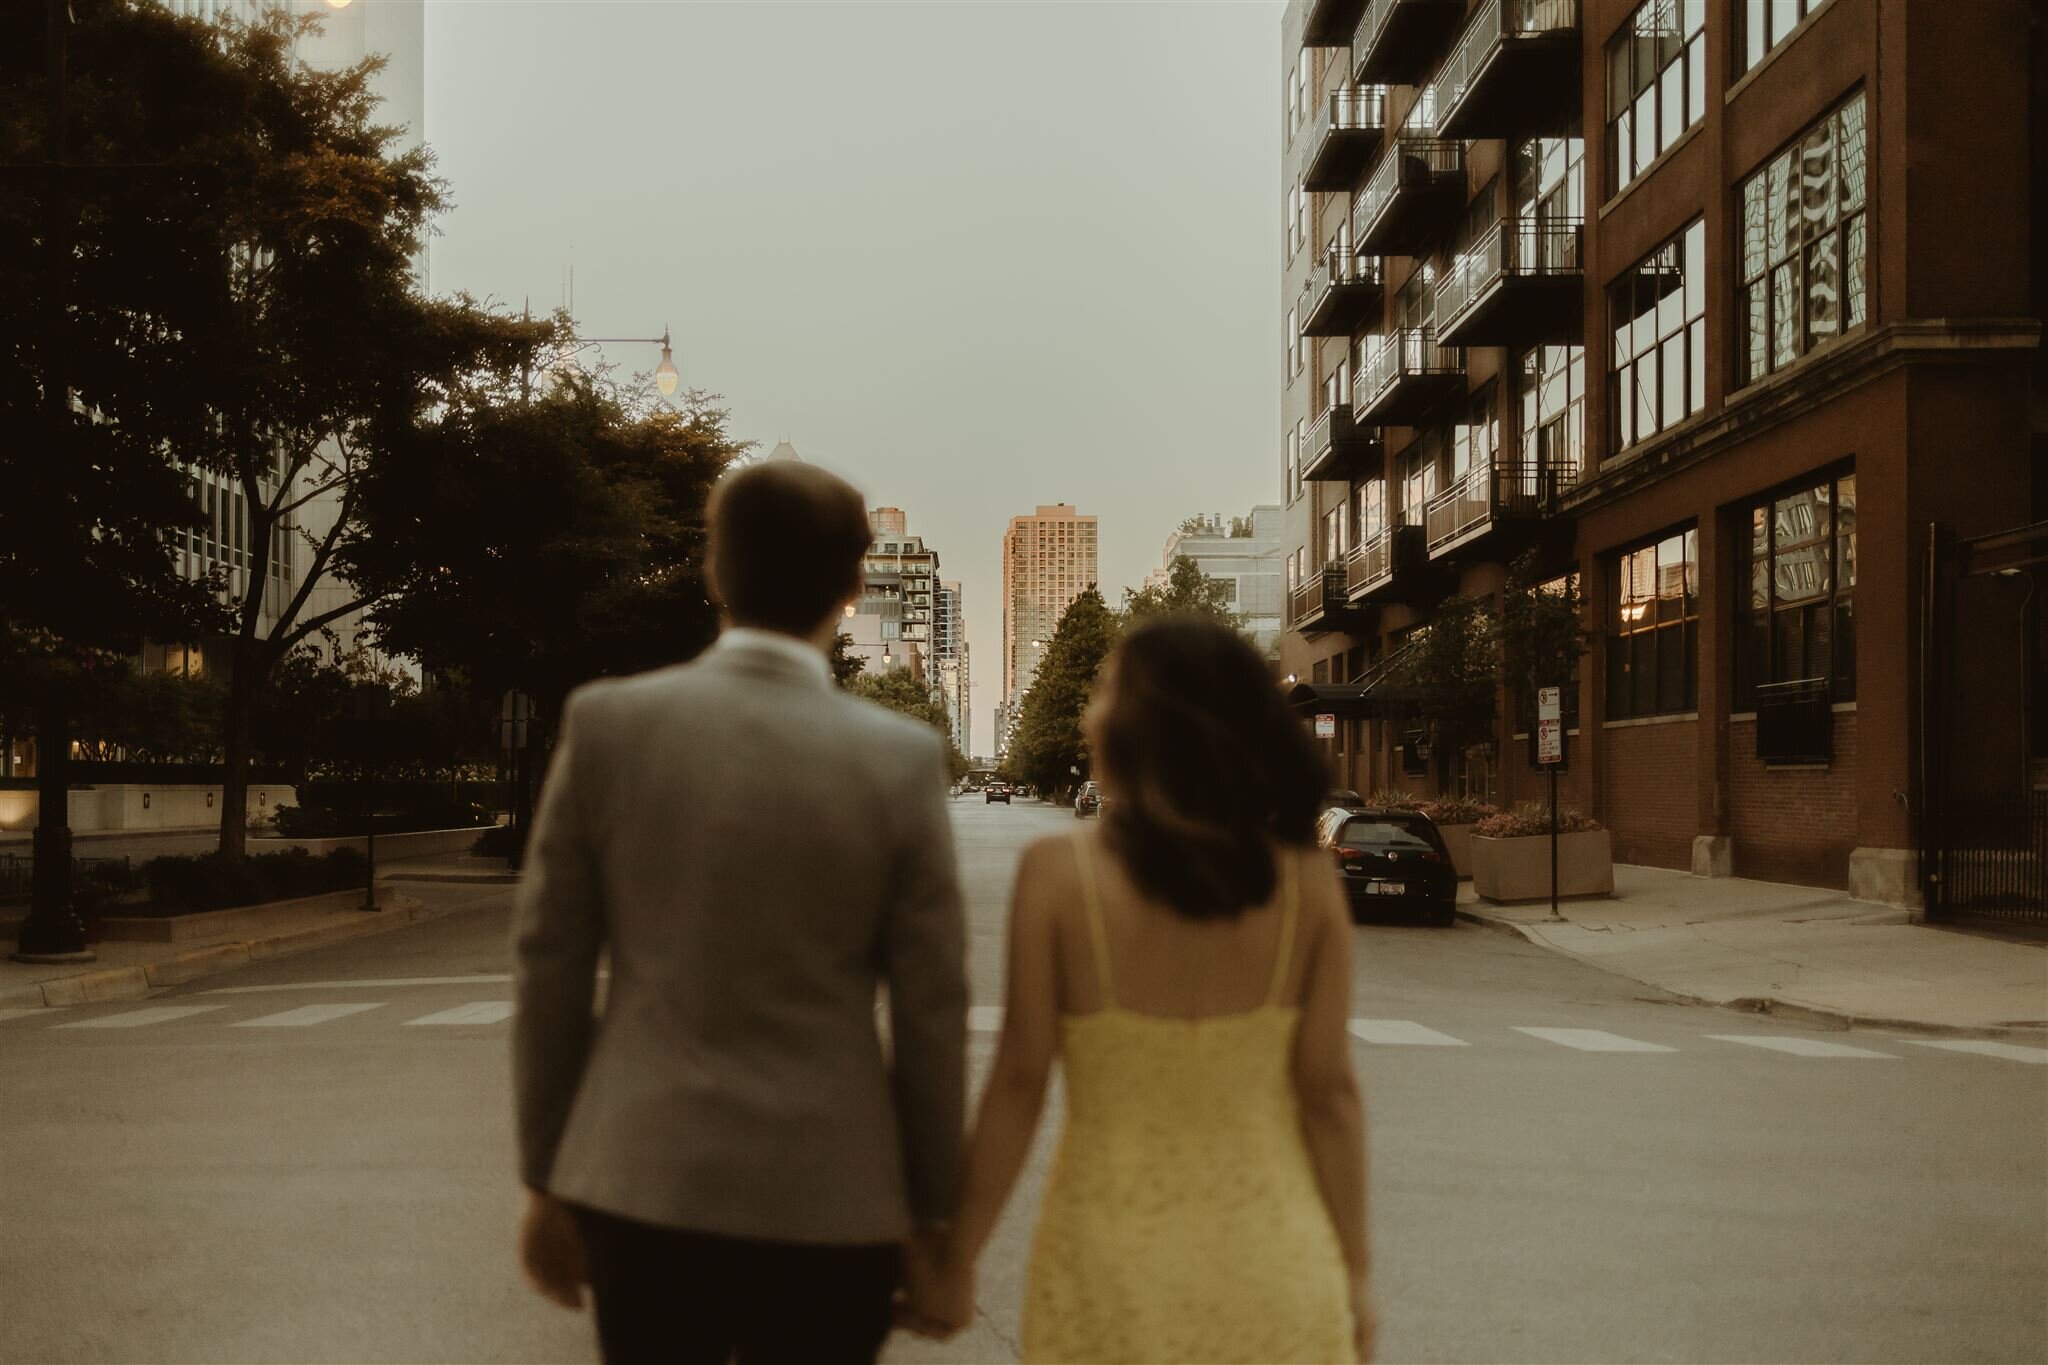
[[1411, 162], [1992, 859], [1371, 561], [17, 875], [1493, 24], [1400, 355], [1354, 108], [1519, 247], [1489, 492], [1795, 722], [1322, 432], [1313, 598], [1338, 267]]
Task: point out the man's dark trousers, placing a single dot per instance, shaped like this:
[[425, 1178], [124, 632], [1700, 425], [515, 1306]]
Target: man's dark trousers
[[692, 1298]]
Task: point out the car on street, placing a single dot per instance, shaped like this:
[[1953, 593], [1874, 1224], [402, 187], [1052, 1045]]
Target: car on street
[[1088, 801], [1340, 799], [994, 792], [1391, 860]]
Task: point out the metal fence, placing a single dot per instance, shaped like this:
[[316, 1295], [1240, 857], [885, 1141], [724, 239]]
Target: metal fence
[[17, 875], [1991, 859]]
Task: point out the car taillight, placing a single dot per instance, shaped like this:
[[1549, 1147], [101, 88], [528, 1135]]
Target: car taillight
[[1432, 856], [1347, 857]]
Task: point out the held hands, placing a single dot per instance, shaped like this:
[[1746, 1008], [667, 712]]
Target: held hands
[[937, 1298], [551, 1251]]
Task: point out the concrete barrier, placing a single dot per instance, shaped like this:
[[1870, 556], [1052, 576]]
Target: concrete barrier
[[391, 848]]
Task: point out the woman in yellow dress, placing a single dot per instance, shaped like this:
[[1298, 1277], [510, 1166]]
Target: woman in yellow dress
[[1189, 965]]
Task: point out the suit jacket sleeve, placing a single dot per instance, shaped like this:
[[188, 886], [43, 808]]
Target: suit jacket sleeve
[[927, 973], [558, 931]]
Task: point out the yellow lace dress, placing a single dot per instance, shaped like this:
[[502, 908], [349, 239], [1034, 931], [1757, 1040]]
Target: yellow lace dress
[[1181, 1221]]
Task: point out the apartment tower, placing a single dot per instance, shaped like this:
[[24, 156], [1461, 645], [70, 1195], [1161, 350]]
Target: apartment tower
[[1048, 561], [1730, 310]]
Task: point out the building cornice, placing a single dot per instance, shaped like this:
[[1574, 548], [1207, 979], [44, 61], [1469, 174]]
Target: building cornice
[[1797, 390]]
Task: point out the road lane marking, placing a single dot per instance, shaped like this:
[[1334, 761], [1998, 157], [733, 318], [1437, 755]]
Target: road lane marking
[[305, 1016], [1799, 1047], [2011, 1052], [1593, 1040], [160, 1014], [478, 1012], [1402, 1033], [5, 1015], [364, 985]]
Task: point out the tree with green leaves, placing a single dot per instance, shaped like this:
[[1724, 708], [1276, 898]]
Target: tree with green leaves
[[1542, 632], [1452, 670], [846, 665], [1187, 589], [897, 690], [538, 542], [1048, 747]]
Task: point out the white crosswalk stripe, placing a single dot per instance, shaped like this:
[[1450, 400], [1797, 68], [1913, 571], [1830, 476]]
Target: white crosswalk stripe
[[985, 1019], [159, 1014], [1402, 1033], [305, 1016], [2011, 1052], [5, 1015], [480, 1012], [1799, 1047], [491, 979], [1593, 1040]]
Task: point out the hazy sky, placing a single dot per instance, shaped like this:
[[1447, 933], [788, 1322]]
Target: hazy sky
[[975, 257]]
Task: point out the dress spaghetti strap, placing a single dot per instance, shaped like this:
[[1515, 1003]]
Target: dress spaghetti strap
[[1091, 903], [1288, 902]]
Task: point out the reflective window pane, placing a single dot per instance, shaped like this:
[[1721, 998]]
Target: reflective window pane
[[1696, 367], [1823, 297], [1853, 268], [1784, 314]]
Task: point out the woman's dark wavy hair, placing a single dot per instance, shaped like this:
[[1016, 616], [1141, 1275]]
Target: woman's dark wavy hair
[[1211, 767]]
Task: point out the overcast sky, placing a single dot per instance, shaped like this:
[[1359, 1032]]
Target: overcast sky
[[975, 257]]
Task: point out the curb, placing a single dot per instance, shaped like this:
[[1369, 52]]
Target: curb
[[1816, 1015], [128, 983]]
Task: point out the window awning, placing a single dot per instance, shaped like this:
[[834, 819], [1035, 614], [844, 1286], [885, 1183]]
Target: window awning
[[1378, 694]]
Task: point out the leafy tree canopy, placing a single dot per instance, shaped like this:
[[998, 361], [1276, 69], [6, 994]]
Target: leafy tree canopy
[[846, 665], [1187, 589], [899, 691], [1048, 745], [1453, 672], [1542, 631]]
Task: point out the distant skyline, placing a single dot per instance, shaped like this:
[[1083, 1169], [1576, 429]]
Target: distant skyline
[[975, 257]]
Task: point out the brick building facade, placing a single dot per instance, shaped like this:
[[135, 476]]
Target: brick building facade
[[1730, 308]]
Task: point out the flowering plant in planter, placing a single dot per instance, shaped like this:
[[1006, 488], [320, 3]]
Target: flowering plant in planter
[[1458, 810], [1532, 818]]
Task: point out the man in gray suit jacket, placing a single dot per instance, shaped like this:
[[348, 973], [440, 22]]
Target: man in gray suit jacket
[[732, 1156]]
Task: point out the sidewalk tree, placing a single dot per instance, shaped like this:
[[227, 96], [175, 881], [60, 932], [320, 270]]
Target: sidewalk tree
[[902, 693], [846, 665], [1542, 634], [1187, 589], [1048, 745], [537, 542], [1453, 673]]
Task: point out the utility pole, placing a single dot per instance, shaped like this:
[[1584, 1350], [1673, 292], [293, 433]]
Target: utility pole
[[52, 932]]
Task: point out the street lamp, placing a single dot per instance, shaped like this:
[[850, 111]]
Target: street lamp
[[666, 377]]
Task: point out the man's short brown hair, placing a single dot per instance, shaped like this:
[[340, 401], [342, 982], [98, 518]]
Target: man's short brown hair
[[787, 544]]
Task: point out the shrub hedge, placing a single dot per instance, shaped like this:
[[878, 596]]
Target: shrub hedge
[[334, 809], [1533, 817], [207, 881]]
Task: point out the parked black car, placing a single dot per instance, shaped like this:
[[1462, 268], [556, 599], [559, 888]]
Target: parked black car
[[1088, 801], [1342, 800], [994, 792], [1391, 860]]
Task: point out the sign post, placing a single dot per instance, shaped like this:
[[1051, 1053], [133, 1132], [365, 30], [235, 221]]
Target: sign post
[[1550, 753], [515, 710]]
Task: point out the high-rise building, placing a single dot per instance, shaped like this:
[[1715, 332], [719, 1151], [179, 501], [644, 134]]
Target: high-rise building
[[1243, 554], [1048, 561], [949, 649], [1729, 311], [892, 621]]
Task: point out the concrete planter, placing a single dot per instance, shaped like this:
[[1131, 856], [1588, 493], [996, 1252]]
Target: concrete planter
[[1509, 870], [217, 924], [1458, 843], [391, 848]]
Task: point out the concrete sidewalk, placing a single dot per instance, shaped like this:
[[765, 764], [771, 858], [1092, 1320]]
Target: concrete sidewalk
[[1796, 950], [127, 969]]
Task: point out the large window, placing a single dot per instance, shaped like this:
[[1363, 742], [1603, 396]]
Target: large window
[[1659, 360], [1550, 384], [1653, 642], [1805, 246], [1656, 84], [1290, 473], [1761, 25], [1798, 617], [1372, 508], [1475, 437]]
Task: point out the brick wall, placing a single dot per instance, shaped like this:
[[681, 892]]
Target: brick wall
[[1651, 794], [1793, 824]]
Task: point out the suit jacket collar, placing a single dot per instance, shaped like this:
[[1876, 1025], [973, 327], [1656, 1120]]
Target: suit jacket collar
[[767, 653]]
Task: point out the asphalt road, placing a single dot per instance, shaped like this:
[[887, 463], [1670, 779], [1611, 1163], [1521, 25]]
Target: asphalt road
[[310, 1160]]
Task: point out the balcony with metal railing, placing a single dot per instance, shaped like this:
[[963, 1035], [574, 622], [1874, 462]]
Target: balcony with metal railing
[[1395, 42], [1318, 604], [1405, 376], [1384, 566], [1345, 139], [1521, 283], [1413, 197], [1491, 497], [1329, 23], [1514, 71], [1338, 449], [1342, 292]]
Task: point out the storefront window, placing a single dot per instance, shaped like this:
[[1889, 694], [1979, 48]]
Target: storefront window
[[1653, 641]]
